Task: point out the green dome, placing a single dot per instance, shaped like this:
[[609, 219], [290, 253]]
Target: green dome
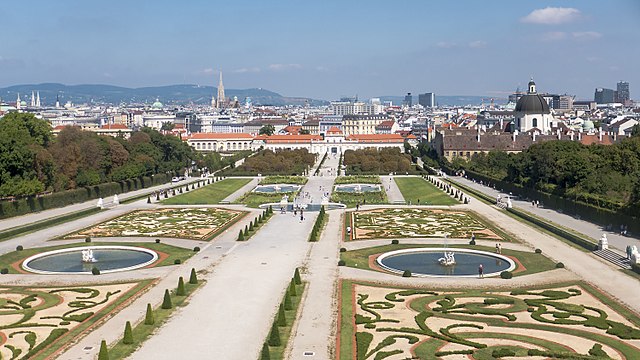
[[588, 125], [23, 103], [157, 105]]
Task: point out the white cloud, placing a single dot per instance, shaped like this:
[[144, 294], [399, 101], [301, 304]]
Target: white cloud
[[208, 71], [554, 36], [281, 67], [322, 68], [445, 44], [247, 70], [552, 16], [586, 35], [478, 44]]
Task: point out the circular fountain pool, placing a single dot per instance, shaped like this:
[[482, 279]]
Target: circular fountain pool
[[354, 188], [424, 262], [276, 188], [108, 259]]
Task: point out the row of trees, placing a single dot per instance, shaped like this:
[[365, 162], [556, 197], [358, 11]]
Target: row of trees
[[280, 162], [33, 161], [594, 173], [374, 161]]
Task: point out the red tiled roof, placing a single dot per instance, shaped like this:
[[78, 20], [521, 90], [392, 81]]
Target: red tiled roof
[[289, 138], [334, 130], [589, 139], [215, 136]]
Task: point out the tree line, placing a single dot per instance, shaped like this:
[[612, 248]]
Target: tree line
[[33, 160], [606, 175], [280, 162]]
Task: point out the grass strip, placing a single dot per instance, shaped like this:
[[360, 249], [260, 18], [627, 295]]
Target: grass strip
[[277, 352], [209, 194], [141, 332], [47, 223], [418, 191]]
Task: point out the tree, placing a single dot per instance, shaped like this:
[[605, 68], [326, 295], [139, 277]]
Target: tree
[[149, 318], [264, 353], [267, 130], [635, 131], [296, 274], [282, 319], [128, 334]]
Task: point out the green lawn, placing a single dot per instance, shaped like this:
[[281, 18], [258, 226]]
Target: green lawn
[[358, 179], [533, 262], [174, 252], [365, 198], [277, 179], [254, 199], [419, 191], [210, 194]]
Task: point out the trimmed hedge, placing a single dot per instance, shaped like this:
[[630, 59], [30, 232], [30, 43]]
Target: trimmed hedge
[[506, 274], [63, 198]]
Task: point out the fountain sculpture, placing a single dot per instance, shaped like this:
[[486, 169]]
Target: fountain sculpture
[[87, 256], [448, 259]]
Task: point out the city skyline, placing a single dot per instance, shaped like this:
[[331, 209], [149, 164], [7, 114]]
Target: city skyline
[[328, 50]]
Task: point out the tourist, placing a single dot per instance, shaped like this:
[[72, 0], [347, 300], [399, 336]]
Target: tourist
[[357, 206], [480, 272], [348, 230], [473, 237], [499, 248]]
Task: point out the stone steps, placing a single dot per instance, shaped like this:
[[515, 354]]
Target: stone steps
[[613, 258]]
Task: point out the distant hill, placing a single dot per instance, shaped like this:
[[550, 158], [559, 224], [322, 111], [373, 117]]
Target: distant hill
[[170, 94], [448, 100]]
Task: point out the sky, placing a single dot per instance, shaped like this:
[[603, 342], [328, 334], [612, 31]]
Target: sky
[[327, 49]]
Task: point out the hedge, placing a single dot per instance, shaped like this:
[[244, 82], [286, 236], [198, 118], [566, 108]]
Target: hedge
[[31, 204]]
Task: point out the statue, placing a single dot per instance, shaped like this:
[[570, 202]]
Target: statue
[[603, 243], [100, 203], [116, 201], [635, 255], [448, 259], [509, 204], [87, 256]]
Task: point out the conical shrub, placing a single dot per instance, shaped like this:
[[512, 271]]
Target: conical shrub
[[180, 291], [274, 336], [128, 334], [264, 354], [193, 278], [104, 351], [296, 277], [149, 319], [166, 302], [282, 320], [292, 288], [241, 236], [287, 302]]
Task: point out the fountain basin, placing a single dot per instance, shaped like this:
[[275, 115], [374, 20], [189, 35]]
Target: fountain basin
[[355, 188], [110, 258], [423, 262], [277, 188]]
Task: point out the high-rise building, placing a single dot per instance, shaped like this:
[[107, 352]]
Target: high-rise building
[[408, 100], [605, 96], [623, 91], [427, 99]]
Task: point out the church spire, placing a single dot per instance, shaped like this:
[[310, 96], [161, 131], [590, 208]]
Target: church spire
[[221, 97], [18, 102], [38, 99], [33, 98]]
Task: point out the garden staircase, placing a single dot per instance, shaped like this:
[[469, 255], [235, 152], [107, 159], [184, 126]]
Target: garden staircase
[[613, 258]]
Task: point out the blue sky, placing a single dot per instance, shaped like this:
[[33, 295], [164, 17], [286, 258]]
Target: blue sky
[[327, 49]]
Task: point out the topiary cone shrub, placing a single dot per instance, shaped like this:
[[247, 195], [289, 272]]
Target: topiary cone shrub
[[296, 277], [157, 241], [292, 288], [177, 262], [264, 354], [166, 302], [538, 251], [341, 263], [395, 242], [274, 336], [282, 320], [95, 271], [193, 278], [196, 248], [4, 271], [149, 318], [560, 265], [406, 273], [180, 291], [128, 334], [19, 248], [246, 231], [241, 236], [251, 226], [287, 302], [104, 351], [87, 239], [343, 249]]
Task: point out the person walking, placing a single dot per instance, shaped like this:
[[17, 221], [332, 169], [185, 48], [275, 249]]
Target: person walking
[[480, 272]]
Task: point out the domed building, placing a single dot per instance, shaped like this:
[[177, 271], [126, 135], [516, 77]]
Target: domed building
[[532, 112], [157, 105]]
